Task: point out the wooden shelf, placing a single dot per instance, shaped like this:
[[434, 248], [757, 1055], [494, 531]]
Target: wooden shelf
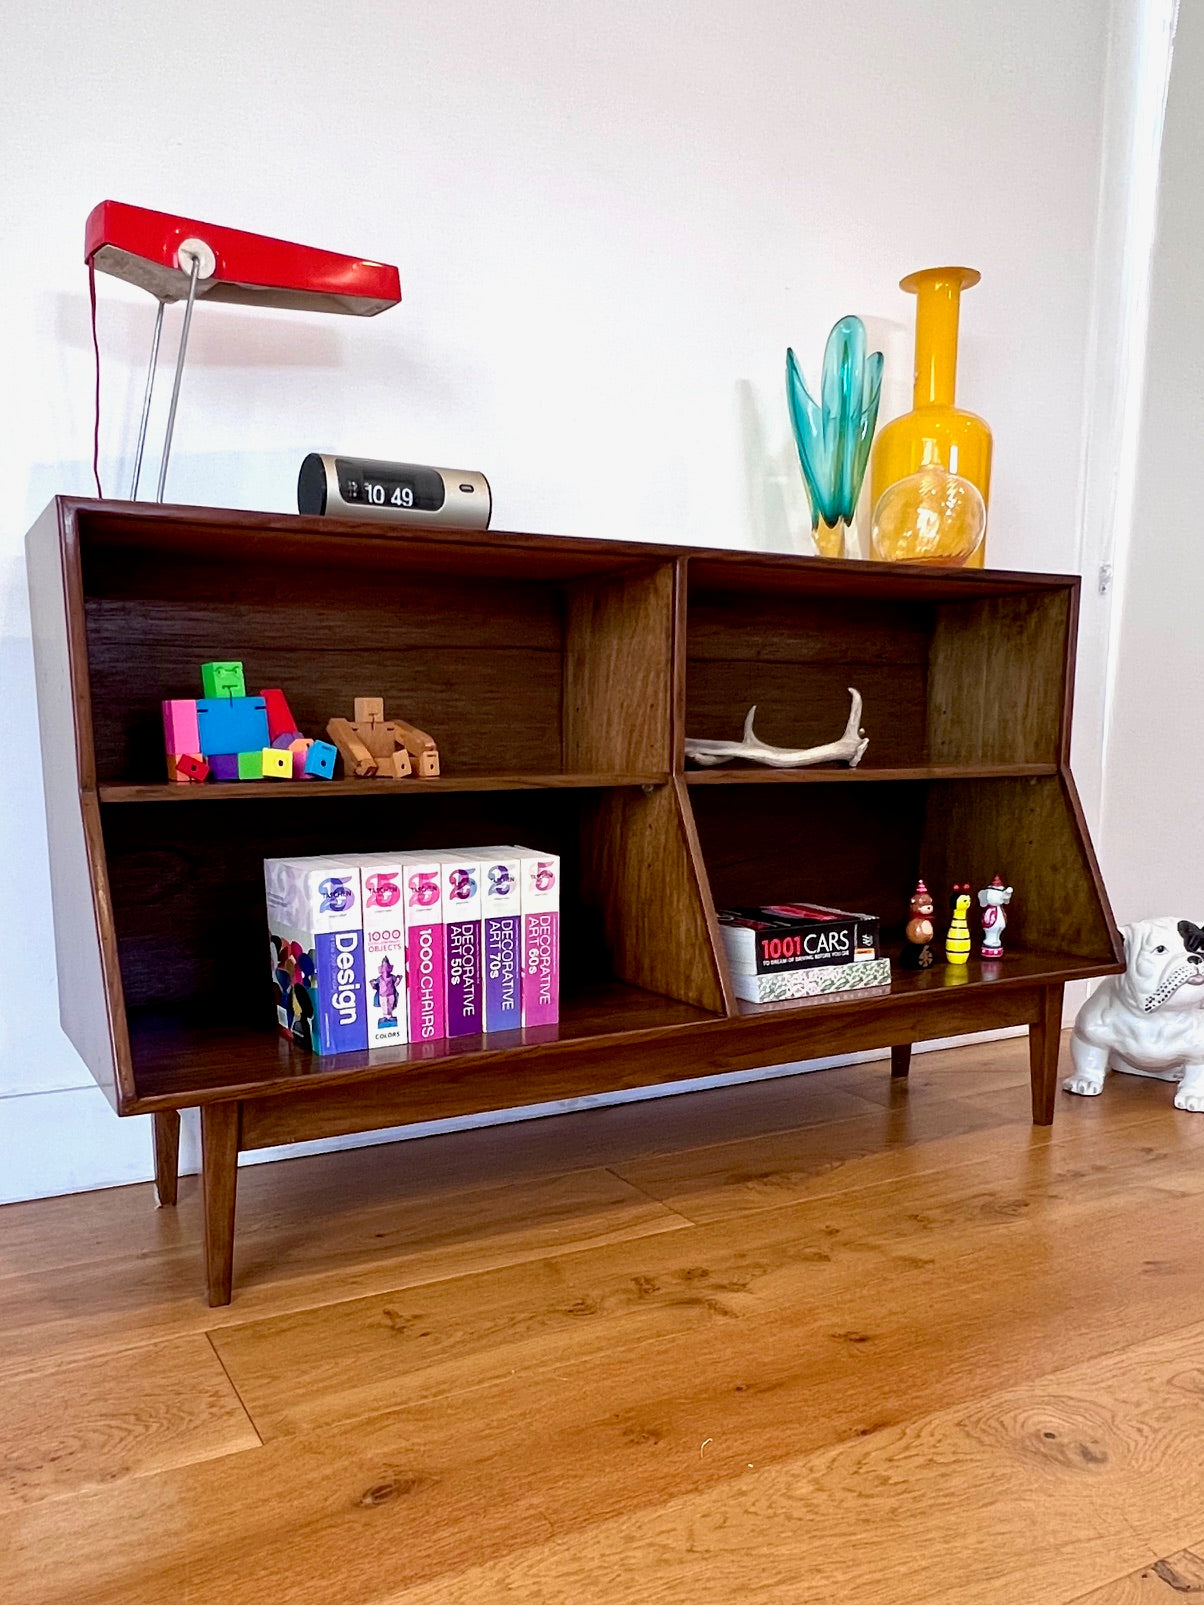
[[557, 676], [863, 774], [267, 790], [1017, 970], [181, 1059]]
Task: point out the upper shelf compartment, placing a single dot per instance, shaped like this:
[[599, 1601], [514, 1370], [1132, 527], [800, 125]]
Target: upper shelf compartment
[[961, 674], [532, 663]]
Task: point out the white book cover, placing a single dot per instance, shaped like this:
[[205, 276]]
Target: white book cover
[[384, 889]]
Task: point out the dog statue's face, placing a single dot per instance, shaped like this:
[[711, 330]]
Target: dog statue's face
[[1165, 964]]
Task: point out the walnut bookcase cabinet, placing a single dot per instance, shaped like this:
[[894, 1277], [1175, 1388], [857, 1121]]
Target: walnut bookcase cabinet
[[558, 677]]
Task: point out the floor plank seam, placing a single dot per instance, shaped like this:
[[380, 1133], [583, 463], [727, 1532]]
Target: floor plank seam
[[242, 1403]]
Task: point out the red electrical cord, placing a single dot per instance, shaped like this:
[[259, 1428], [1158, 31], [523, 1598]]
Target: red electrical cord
[[96, 406]]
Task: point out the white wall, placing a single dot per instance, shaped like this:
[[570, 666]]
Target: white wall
[[1155, 775], [609, 221]]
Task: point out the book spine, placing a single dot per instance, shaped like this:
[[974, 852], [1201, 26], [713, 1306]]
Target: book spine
[[501, 894], [809, 983], [425, 967], [461, 884], [340, 1021], [385, 951], [541, 938]]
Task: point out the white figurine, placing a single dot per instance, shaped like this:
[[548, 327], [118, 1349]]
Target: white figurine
[[850, 748], [1150, 1020], [993, 899]]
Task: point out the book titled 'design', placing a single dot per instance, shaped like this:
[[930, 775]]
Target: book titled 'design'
[[797, 950]]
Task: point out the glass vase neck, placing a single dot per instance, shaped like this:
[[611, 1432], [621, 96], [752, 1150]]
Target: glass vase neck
[[938, 294]]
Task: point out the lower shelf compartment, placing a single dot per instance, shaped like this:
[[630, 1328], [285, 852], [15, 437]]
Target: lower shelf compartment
[[942, 981], [180, 1060]]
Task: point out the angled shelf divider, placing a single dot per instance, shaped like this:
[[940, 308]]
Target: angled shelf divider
[[559, 677]]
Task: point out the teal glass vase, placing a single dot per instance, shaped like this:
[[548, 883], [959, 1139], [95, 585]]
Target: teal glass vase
[[834, 435]]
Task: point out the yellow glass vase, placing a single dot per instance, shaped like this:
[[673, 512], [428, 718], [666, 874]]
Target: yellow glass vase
[[935, 432]]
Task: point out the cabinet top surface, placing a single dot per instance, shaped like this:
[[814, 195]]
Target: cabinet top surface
[[226, 534]]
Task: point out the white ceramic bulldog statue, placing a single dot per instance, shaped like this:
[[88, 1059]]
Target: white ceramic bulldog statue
[[1150, 1020]]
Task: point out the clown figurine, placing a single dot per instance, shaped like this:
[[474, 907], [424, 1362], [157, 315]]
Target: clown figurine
[[993, 899]]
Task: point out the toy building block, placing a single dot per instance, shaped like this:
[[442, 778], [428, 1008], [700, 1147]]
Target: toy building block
[[286, 738], [223, 765], [280, 719], [319, 761], [180, 731], [357, 759], [276, 763], [188, 768], [223, 680], [299, 749], [250, 765], [420, 746], [232, 724]]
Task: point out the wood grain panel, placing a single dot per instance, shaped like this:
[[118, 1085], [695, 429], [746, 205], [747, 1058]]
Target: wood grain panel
[[303, 1242], [997, 678], [831, 1353], [90, 999], [1026, 831], [477, 664], [618, 652], [69, 1426], [1165, 1582], [639, 865]]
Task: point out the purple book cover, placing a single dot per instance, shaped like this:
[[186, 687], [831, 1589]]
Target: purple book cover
[[501, 897], [341, 1018], [541, 938], [425, 968], [462, 941]]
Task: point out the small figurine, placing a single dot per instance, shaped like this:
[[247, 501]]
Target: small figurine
[[957, 938], [917, 954], [370, 744], [385, 993], [993, 899]]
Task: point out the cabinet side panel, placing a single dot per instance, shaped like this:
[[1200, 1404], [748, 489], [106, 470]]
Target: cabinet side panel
[[639, 869], [997, 679], [90, 1006], [618, 672], [1029, 832]]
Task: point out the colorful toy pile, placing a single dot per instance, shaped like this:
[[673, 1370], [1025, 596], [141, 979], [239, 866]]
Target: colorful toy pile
[[230, 736]]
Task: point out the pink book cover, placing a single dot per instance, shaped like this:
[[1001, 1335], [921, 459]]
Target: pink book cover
[[541, 937], [426, 962]]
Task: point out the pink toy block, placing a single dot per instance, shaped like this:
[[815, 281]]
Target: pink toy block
[[180, 731]]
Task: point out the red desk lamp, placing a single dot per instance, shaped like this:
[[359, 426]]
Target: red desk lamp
[[178, 258]]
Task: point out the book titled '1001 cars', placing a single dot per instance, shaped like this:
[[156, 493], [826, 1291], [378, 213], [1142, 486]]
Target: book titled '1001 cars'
[[798, 950]]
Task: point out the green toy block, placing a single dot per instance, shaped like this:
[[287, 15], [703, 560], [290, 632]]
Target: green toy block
[[250, 765], [223, 680]]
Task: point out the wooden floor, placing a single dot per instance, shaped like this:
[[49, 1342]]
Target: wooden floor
[[815, 1340]]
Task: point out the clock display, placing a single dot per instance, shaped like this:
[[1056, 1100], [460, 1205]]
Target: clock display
[[388, 485]]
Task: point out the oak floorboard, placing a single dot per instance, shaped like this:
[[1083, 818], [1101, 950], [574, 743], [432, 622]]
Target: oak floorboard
[[102, 1420], [1019, 1497], [844, 1339], [308, 1257], [466, 1333], [1168, 1579]]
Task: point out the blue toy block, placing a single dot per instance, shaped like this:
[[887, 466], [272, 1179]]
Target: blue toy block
[[232, 724], [319, 761]]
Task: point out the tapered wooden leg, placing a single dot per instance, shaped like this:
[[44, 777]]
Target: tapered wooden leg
[[1044, 1040], [167, 1153], [219, 1177], [900, 1060]]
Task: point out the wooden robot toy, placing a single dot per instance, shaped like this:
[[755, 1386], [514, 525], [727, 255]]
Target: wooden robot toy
[[390, 749]]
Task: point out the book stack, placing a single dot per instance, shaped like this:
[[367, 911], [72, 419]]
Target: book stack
[[379, 949], [799, 950]]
